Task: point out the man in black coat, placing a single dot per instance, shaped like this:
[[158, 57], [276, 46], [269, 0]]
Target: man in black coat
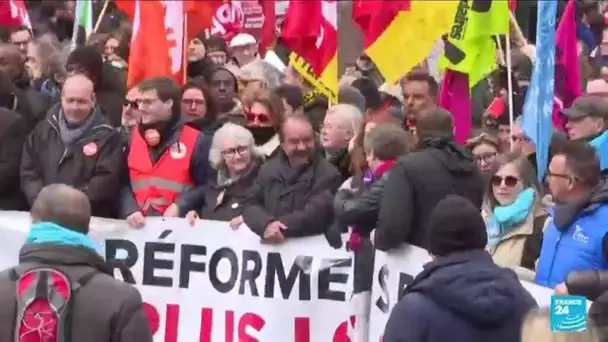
[[421, 179], [13, 132], [76, 146], [293, 193]]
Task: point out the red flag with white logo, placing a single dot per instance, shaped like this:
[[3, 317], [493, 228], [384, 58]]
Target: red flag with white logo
[[310, 30]]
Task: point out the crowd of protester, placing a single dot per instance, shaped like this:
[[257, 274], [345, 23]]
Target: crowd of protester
[[246, 143]]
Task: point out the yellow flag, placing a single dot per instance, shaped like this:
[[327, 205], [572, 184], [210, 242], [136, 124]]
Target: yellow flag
[[411, 37], [470, 47], [326, 84]]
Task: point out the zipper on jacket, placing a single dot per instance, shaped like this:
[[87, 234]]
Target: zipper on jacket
[[559, 238], [65, 153]]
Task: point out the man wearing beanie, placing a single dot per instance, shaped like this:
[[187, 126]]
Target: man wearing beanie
[[461, 295], [98, 309]]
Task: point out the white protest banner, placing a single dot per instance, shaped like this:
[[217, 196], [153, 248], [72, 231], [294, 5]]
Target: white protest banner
[[395, 270], [210, 283]]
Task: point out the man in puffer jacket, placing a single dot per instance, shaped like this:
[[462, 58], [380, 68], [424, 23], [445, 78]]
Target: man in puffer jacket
[[460, 296]]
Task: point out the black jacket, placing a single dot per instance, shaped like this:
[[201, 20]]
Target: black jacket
[[225, 203], [200, 169], [462, 297], [47, 159], [341, 161], [13, 132], [301, 198], [417, 183]]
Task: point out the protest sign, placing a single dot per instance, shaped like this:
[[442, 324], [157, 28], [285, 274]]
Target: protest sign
[[210, 283], [395, 270]]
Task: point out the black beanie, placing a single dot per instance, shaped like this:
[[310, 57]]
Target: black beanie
[[455, 225]]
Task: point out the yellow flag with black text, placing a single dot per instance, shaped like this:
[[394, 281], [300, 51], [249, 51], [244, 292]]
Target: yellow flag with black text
[[470, 47]]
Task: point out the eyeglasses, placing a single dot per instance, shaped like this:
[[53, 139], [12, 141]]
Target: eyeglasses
[[509, 181], [232, 152], [130, 104], [557, 175], [260, 117], [485, 157], [193, 102]]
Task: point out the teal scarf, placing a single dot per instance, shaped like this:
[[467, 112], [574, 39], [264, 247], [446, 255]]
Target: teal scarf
[[599, 143], [509, 216], [48, 232]]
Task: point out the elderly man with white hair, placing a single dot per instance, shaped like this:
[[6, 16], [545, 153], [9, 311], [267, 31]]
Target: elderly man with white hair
[[260, 74], [341, 124], [234, 156]]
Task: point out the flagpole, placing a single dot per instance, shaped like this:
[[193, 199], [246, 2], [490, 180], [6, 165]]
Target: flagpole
[[509, 84], [185, 43], [104, 9]]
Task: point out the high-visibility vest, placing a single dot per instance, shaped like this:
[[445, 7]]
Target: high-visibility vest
[[158, 185]]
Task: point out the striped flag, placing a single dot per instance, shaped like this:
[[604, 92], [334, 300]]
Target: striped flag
[[83, 16]]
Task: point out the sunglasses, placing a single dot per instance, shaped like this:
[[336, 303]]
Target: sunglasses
[[262, 118], [130, 104], [509, 181]]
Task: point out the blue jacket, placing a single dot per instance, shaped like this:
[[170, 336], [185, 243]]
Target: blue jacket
[[574, 240], [462, 297]]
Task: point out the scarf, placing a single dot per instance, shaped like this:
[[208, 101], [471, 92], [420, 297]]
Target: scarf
[[354, 240], [49, 89], [70, 134], [225, 181], [508, 217], [48, 232]]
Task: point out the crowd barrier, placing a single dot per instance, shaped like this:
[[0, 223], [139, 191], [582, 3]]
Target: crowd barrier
[[210, 283]]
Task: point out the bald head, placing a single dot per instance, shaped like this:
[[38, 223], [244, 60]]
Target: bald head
[[63, 205], [77, 98], [78, 82]]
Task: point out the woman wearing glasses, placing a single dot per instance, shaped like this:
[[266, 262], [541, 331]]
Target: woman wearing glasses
[[514, 213], [485, 147], [264, 111], [234, 157]]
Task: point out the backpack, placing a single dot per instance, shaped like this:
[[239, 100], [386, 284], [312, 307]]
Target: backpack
[[44, 304]]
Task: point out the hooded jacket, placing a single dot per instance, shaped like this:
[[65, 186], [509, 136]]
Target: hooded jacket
[[461, 297], [105, 309], [417, 183], [574, 239]]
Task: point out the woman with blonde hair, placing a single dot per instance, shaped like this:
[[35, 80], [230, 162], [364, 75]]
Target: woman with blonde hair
[[514, 213]]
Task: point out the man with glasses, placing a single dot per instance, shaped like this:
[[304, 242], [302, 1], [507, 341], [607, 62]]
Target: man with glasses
[[575, 235], [20, 36], [166, 158]]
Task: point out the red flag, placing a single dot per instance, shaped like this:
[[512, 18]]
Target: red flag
[[512, 5], [149, 55], [374, 16], [14, 13], [310, 30], [200, 15], [269, 28]]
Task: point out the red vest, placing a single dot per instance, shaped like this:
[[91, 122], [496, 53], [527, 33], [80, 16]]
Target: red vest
[[159, 185]]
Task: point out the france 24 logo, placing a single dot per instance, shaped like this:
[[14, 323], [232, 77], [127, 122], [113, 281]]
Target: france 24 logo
[[568, 313]]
